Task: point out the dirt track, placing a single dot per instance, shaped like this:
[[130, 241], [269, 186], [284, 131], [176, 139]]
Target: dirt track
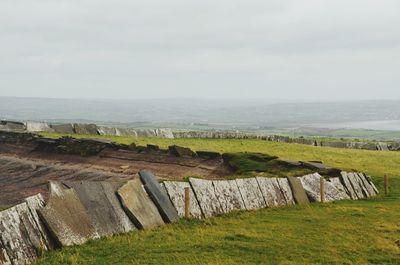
[[25, 172]]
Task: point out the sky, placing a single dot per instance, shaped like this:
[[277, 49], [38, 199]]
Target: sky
[[263, 49]]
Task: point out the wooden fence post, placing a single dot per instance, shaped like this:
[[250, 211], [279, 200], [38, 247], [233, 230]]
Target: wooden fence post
[[322, 189], [386, 184], [187, 202]]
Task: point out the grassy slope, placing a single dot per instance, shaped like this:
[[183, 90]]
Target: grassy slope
[[351, 232]]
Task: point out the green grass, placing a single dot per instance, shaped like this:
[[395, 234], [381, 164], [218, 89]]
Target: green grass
[[347, 232]]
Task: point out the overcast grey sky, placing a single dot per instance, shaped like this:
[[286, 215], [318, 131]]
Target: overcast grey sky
[[300, 49]]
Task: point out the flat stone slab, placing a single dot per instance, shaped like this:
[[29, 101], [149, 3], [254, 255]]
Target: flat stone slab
[[66, 217], [85, 128], [299, 194], [271, 191], [349, 187], [22, 236], [340, 187], [176, 192], [367, 184], [251, 193], [311, 184], [205, 194], [63, 128], [286, 190], [138, 205], [101, 203], [355, 183], [228, 195], [159, 197]]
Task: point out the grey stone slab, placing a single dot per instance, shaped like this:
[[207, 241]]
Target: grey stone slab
[[286, 190], [271, 191], [4, 258], [311, 184], [38, 127], [101, 203], [106, 131], [15, 236], [349, 187], [63, 128], [367, 185], [66, 217], [228, 195], [159, 197], [369, 179], [138, 205], [361, 185], [176, 192], [340, 187], [251, 193], [205, 194], [81, 128], [356, 186], [299, 194]]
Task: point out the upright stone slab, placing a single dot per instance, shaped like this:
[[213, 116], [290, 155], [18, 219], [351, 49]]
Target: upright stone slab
[[286, 190], [271, 191], [369, 179], [138, 205], [299, 194], [311, 184], [361, 184], [63, 128], [159, 197], [4, 258], [14, 235], [205, 194], [355, 184], [339, 186], [369, 188], [38, 127], [176, 192], [251, 193], [85, 128], [349, 187], [228, 195], [66, 217], [101, 203]]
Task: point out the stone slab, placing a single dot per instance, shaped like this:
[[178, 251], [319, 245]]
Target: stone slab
[[159, 197], [349, 187], [311, 184], [271, 191], [4, 258], [286, 190], [66, 217], [228, 195], [340, 187], [370, 189], [37, 127], [251, 193], [138, 205], [361, 185], [205, 194], [369, 179], [355, 184], [176, 192], [80, 128], [63, 128], [15, 236], [101, 203], [299, 194]]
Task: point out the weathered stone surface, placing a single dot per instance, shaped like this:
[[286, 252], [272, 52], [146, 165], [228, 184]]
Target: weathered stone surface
[[159, 197], [361, 185], [369, 188], [356, 185], [32, 126], [311, 184], [205, 194], [299, 194], [286, 190], [181, 151], [126, 132], [176, 192], [369, 179], [106, 131], [138, 205], [349, 187], [228, 195], [66, 218], [339, 186], [13, 125], [85, 128], [251, 193], [271, 191], [164, 133], [101, 203], [15, 237], [4, 258], [63, 128]]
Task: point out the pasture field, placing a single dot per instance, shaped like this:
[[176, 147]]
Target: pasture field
[[345, 232]]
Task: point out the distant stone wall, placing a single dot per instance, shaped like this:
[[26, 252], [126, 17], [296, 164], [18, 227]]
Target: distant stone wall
[[80, 211]]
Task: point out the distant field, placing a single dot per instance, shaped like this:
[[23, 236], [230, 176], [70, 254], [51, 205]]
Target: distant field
[[347, 232]]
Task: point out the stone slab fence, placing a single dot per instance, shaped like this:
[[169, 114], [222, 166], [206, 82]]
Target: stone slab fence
[[76, 212]]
